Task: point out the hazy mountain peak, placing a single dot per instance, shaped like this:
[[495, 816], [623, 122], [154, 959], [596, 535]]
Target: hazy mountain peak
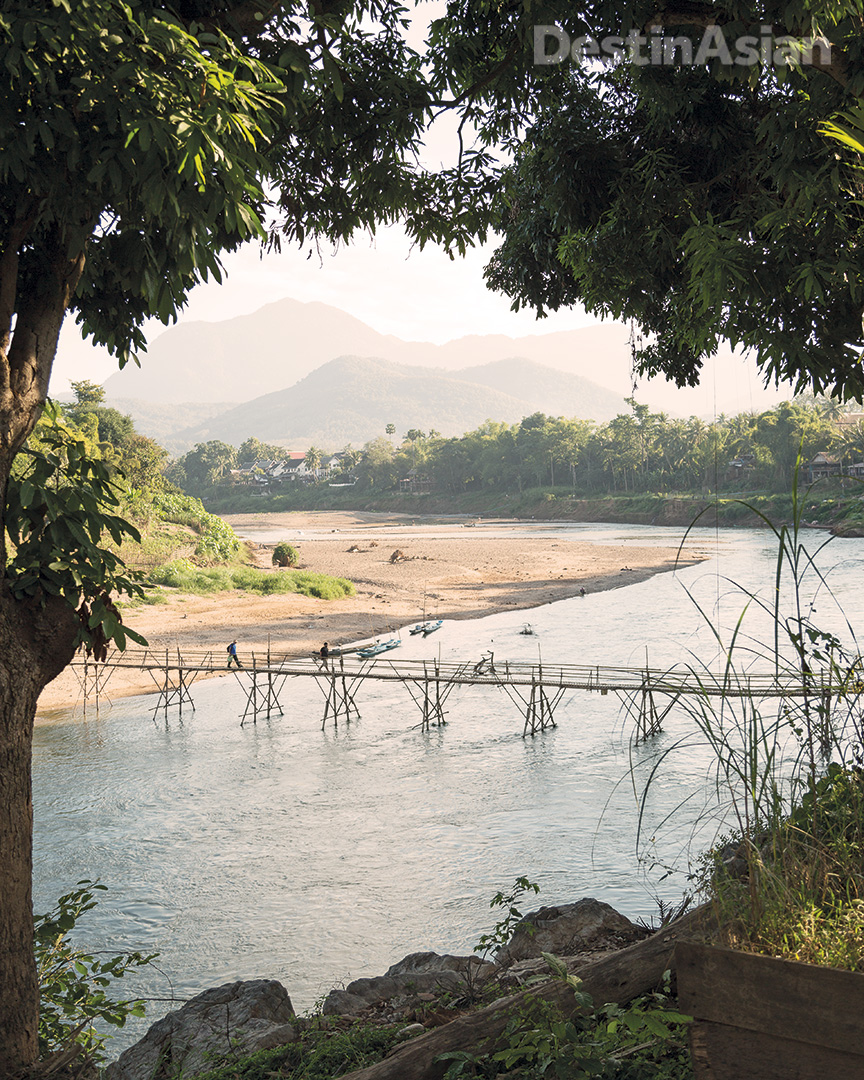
[[353, 399], [284, 341]]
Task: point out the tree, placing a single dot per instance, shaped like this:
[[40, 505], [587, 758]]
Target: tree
[[791, 429], [136, 143], [88, 393], [350, 457], [377, 465], [313, 459], [252, 449], [112, 426], [142, 463], [701, 201], [208, 463], [390, 430]]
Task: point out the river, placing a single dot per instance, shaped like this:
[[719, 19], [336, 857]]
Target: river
[[314, 857]]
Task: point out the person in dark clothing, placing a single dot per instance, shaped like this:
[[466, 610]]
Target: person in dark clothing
[[232, 654], [324, 651]]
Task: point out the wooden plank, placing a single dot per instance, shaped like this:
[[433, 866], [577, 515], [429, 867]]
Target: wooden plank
[[782, 998], [720, 1052]]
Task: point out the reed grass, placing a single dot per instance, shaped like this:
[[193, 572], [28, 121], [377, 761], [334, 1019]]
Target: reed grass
[[788, 879]]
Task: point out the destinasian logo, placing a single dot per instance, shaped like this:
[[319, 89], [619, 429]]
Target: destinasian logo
[[553, 45]]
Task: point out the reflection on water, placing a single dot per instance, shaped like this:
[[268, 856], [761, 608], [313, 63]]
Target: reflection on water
[[278, 850]]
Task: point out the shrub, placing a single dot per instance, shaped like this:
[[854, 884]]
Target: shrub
[[218, 541], [72, 983], [285, 555]]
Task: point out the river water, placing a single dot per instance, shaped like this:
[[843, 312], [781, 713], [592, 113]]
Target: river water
[[314, 857]]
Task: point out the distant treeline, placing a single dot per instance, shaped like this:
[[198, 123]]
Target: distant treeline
[[640, 451]]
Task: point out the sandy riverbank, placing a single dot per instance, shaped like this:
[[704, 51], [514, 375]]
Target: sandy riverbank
[[462, 576]]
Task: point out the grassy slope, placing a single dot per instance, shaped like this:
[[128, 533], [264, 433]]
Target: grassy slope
[[166, 555]]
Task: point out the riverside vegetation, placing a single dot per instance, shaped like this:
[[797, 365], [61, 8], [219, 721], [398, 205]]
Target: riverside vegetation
[[640, 467], [789, 880], [175, 544], [644, 1041]]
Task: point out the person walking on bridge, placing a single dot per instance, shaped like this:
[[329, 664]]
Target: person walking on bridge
[[232, 654]]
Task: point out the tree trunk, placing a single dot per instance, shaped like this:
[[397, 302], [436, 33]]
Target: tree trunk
[[36, 639], [618, 977], [36, 645]]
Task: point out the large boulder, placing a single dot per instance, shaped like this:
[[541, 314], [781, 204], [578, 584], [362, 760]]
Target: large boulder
[[565, 930], [418, 977], [239, 1017]]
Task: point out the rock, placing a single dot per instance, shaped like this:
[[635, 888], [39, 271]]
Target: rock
[[564, 930], [429, 961], [412, 980], [239, 1017], [410, 1032]]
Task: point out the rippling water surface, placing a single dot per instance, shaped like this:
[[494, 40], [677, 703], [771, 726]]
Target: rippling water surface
[[280, 850]]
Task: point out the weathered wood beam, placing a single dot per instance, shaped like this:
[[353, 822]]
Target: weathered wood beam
[[620, 977]]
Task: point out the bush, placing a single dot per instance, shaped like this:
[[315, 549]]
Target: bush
[[285, 555], [72, 983]]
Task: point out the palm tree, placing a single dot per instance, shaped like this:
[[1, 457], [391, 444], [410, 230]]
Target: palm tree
[[350, 457], [312, 460]]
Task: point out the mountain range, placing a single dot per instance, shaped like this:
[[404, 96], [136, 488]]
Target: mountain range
[[296, 373], [353, 398]]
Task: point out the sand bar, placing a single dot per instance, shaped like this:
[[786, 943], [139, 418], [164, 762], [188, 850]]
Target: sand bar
[[459, 572]]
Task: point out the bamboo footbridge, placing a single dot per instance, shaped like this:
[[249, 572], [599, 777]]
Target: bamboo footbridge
[[535, 688]]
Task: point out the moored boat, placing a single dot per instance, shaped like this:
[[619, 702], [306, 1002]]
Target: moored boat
[[381, 647]]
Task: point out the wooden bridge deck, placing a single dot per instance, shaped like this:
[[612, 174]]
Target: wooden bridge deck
[[515, 673]]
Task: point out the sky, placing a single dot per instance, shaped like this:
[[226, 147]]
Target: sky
[[416, 295]]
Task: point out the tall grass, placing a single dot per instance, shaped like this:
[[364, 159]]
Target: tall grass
[[788, 879], [185, 577]]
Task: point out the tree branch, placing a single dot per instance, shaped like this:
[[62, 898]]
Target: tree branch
[[9, 273], [472, 90], [25, 367]]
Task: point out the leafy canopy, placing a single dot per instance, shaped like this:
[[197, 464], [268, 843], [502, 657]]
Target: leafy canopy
[[701, 202], [150, 136], [129, 137]]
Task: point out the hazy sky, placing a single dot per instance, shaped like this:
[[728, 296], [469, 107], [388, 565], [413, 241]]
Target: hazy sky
[[416, 295]]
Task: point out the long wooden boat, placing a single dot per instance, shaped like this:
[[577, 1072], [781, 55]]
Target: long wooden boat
[[381, 647]]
